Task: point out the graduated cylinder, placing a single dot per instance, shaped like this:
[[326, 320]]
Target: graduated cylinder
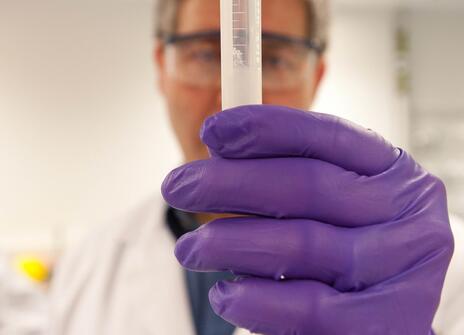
[[241, 56]]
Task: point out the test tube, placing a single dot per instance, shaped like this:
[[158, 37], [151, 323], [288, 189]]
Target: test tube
[[241, 59]]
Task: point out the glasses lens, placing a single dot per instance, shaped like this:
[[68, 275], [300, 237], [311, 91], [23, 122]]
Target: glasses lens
[[196, 62], [285, 64]]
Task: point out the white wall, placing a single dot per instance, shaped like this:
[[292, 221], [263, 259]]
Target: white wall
[[437, 99], [437, 56], [360, 85], [82, 134]]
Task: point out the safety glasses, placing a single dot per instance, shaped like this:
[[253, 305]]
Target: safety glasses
[[195, 59]]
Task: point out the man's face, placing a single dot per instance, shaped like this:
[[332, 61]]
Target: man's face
[[189, 71]]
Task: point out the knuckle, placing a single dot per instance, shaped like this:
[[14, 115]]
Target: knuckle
[[353, 277], [437, 234], [439, 187], [445, 240]]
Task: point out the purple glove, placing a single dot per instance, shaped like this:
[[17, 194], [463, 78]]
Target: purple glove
[[347, 234]]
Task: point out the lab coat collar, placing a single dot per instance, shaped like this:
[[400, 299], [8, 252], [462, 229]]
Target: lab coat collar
[[154, 238]]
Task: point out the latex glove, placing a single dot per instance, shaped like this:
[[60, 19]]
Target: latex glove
[[356, 227]]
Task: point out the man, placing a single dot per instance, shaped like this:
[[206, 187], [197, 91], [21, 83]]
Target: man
[[329, 228]]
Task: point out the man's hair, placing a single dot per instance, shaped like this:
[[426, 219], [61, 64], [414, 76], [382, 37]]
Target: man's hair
[[317, 13]]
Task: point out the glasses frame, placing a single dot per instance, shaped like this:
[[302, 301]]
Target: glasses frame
[[308, 43]]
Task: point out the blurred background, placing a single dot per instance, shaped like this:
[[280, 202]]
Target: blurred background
[[84, 135]]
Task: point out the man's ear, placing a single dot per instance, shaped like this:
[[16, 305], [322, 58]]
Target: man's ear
[[319, 72], [159, 59]]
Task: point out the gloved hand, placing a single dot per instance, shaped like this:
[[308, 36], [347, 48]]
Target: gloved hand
[[346, 235]]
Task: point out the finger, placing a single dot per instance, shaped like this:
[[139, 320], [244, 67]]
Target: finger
[[269, 307], [288, 188], [273, 131], [405, 305], [346, 259]]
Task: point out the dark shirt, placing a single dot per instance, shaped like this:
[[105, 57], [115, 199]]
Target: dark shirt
[[198, 283]]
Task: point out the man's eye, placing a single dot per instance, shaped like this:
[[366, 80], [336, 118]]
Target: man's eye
[[206, 56], [277, 62]]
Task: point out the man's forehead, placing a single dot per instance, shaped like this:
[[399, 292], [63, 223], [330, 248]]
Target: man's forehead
[[279, 16]]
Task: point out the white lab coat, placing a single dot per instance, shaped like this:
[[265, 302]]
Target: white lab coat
[[125, 280]]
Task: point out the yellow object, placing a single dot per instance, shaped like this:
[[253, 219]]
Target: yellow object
[[33, 267]]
